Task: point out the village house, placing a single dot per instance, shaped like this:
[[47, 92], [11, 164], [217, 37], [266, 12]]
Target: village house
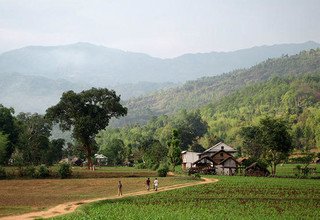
[[188, 158], [219, 157]]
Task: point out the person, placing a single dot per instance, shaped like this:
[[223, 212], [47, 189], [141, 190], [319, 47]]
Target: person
[[148, 184], [156, 184], [119, 188]]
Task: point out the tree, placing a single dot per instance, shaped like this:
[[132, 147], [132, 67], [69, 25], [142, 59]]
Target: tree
[[9, 127], [86, 113], [34, 138], [3, 148], [276, 141], [174, 151], [190, 127], [251, 141], [270, 141], [114, 151]]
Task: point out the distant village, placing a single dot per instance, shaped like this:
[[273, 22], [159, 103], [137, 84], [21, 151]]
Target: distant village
[[219, 159]]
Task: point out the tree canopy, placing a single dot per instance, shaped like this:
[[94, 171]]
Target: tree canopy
[[86, 113]]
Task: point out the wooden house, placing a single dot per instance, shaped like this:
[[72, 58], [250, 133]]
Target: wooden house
[[188, 158], [223, 163], [218, 147]]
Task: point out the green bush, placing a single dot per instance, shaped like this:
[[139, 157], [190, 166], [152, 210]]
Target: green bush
[[197, 176], [64, 170], [28, 171], [43, 171], [140, 166], [155, 167], [163, 170], [3, 173]]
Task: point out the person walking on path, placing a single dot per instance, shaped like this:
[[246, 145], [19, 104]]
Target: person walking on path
[[148, 184], [119, 188], [156, 184]]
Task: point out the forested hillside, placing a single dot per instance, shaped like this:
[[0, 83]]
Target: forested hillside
[[195, 94], [295, 99]]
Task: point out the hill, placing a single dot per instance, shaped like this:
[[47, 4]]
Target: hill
[[195, 94], [33, 78], [102, 66]]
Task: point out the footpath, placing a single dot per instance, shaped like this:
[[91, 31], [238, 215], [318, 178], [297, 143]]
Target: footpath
[[69, 207]]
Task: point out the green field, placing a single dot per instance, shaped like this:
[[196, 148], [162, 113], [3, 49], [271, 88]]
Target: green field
[[289, 170], [230, 198]]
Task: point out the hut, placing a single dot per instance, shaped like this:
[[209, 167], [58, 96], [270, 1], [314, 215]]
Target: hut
[[256, 170]]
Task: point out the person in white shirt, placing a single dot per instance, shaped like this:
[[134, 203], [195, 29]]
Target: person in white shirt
[[156, 184]]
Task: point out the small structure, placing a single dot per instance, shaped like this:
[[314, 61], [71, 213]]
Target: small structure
[[216, 148], [188, 158], [76, 161], [256, 170], [101, 159]]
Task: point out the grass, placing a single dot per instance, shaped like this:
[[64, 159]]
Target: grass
[[289, 170], [100, 172], [231, 198], [19, 196]]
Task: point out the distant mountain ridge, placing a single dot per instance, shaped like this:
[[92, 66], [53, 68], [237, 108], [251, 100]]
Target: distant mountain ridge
[[206, 90], [102, 66], [33, 78]]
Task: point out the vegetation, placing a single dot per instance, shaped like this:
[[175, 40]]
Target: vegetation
[[86, 113], [231, 198], [201, 92], [271, 139]]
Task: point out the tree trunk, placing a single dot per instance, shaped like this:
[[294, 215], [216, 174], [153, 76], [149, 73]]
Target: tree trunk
[[89, 154]]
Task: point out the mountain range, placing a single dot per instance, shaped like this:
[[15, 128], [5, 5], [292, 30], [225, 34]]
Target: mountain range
[[33, 78]]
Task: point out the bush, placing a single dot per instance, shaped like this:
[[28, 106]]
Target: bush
[[43, 171], [140, 166], [3, 173], [28, 171], [155, 167], [64, 170], [163, 170], [197, 176]]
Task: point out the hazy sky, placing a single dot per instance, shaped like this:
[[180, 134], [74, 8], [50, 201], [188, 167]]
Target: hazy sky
[[163, 28]]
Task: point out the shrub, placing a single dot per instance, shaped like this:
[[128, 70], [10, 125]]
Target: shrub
[[3, 173], [28, 171], [140, 166], [43, 171], [163, 170], [155, 167], [64, 170], [197, 176]]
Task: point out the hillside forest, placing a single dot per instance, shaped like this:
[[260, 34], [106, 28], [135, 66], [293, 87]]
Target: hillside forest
[[197, 115]]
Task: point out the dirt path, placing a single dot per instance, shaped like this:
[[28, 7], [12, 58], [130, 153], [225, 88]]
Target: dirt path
[[69, 207]]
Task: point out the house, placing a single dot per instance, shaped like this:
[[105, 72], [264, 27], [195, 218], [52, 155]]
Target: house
[[188, 158], [219, 146], [223, 163], [256, 170]]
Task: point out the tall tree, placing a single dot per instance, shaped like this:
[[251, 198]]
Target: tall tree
[[3, 148], [174, 151], [9, 127], [86, 113], [34, 138], [251, 141], [276, 141]]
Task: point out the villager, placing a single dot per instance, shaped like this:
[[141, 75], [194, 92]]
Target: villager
[[119, 188], [156, 184], [148, 184]]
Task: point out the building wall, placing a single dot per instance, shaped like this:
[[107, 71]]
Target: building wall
[[188, 158]]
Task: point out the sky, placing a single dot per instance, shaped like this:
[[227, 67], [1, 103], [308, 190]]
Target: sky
[[163, 28]]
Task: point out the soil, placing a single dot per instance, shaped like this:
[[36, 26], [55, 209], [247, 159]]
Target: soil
[[69, 207]]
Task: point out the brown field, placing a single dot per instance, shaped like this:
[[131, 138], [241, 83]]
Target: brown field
[[19, 196]]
